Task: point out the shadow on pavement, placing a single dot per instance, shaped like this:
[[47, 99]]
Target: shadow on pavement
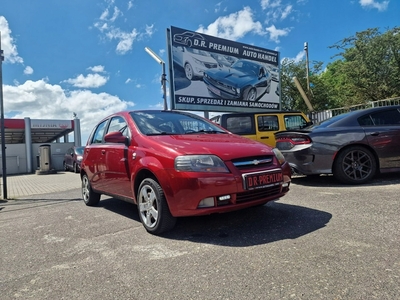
[[253, 226]]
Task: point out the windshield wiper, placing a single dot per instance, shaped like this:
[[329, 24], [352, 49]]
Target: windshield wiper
[[204, 131]]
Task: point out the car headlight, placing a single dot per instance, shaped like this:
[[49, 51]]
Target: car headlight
[[279, 156], [200, 163], [199, 62], [79, 158]]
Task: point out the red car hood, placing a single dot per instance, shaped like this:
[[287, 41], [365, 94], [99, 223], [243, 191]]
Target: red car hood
[[226, 146]]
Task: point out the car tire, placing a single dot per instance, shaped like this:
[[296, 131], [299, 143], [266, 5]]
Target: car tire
[[189, 71], [75, 168], [90, 197], [268, 88], [65, 167], [251, 95], [354, 165], [153, 208]]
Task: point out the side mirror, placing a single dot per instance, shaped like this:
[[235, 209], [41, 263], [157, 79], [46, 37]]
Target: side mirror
[[116, 137]]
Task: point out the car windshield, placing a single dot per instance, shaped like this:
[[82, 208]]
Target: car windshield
[[246, 67], [170, 122], [199, 52]]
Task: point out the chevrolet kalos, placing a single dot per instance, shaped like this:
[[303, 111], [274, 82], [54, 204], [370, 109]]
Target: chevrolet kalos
[[173, 164]]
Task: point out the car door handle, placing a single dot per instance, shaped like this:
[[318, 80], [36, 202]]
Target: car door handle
[[265, 137], [374, 133]]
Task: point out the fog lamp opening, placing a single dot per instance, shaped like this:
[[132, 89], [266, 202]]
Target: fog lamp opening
[[206, 202], [285, 184]]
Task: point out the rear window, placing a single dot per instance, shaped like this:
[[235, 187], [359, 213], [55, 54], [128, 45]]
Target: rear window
[[267, 123], [293, 122], [239, 125]]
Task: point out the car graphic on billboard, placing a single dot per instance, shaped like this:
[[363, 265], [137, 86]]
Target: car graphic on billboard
[[193, 61], [244, 80]]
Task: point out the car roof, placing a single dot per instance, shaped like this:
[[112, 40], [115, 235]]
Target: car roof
[[350, 118]]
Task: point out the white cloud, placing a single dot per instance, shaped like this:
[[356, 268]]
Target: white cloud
[[89, 81], [286, 12], [270, 4], [125, 38], [39, 98], [104, 14], [97, 69], [381, 6], [149, 30], [7, 43], [28, 70], [234, 26], [300, 56], [116, 14], [275, 33]]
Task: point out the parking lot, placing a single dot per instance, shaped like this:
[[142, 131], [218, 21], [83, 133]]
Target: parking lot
[[323, 240]]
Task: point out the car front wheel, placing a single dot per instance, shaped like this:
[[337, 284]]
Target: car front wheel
[[189, 71], [252, 95], [354, 165], [65, 166], [153, 208], [90, 197]]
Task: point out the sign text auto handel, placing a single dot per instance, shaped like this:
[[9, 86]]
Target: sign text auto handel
[[224, 102], [248, 52], [222, 46]]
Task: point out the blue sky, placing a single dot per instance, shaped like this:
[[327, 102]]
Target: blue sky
[[88, 56]]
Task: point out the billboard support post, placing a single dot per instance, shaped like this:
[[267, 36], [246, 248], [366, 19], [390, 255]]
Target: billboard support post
[[163, 76], [3, 139]]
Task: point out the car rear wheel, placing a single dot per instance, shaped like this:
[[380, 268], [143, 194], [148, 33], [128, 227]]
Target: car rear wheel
[[75, 168], [153, 208], [354, 165], [65, 166], [90, 197], [189, 71], [251, 95]]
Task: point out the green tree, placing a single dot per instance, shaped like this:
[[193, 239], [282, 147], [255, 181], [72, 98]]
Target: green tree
[[291, 98], [370, 66]]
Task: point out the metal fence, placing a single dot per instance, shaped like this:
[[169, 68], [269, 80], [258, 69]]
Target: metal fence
[[326, 114]]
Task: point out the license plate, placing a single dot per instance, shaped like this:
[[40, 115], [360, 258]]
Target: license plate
[[214, 90], [262, 180]]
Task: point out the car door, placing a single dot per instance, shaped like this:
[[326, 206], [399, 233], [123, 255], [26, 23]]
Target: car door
[[68, 158], [116, 159], [93, 157], [383, 133], [267, 125]]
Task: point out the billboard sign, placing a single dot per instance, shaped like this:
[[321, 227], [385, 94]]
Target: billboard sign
[[214, 74]]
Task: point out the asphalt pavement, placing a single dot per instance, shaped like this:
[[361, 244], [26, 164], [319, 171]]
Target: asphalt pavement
[[323, 240]]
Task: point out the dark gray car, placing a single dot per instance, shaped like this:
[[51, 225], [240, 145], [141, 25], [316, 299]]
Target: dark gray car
[[353, 146], [73, 158]]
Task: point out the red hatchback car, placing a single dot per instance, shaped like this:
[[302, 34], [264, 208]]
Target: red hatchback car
[[173, 164]]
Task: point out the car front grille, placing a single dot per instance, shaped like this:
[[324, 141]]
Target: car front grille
[[258, 194], [251, 163], [220, 85], [210, 65]]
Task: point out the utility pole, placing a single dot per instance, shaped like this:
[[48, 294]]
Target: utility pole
[[3, 138], [307, 68]]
